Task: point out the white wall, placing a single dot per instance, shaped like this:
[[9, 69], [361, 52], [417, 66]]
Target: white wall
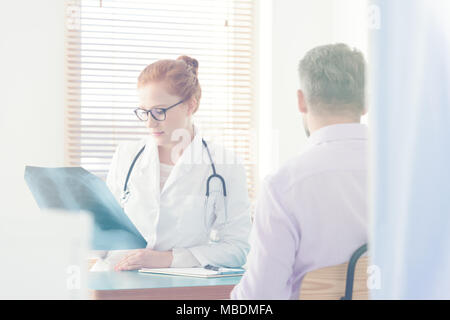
[[288, 29], [32, 95]]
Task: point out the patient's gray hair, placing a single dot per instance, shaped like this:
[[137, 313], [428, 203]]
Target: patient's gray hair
[[332, 79]]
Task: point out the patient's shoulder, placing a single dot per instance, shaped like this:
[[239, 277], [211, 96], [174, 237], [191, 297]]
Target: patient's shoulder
[[321, 160]]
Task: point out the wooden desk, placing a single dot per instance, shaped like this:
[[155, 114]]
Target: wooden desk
[[134, 285]]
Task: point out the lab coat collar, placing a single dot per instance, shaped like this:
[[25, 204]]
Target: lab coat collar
[[191, 156], [336, 132], [150, 153]]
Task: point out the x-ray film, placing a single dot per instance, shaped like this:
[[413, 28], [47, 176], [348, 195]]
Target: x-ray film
[[75, 189]]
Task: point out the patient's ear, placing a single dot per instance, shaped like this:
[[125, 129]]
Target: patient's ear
[[301, 102]]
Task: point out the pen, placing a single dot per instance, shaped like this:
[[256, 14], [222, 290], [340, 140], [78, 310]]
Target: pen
[[210, 267]]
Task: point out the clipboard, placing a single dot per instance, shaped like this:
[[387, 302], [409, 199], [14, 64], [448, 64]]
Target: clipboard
[[196, 272]]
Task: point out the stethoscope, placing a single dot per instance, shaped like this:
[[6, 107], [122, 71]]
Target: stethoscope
[[126, 191]]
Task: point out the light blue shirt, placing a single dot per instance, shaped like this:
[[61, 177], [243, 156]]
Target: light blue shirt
[[311, 214]]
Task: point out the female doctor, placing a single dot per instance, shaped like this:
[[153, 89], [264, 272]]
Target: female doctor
[[187, 197]]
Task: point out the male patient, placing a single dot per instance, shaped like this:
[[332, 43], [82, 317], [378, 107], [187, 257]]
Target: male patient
[[313, 212]]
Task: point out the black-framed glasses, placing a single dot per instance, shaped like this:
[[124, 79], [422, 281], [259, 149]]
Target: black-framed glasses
[[159, 114]]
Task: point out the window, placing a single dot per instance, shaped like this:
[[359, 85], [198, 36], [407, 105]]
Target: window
[[109, 42]]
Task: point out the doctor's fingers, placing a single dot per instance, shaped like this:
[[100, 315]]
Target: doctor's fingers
[[128, 266], [136, 258], [130, 261], [122, 263], [132, 253]]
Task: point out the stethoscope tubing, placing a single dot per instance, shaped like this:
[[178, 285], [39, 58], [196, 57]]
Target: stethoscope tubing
[[126, 192]]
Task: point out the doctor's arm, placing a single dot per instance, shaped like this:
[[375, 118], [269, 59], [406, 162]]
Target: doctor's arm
[[274, 242], [231, 247]]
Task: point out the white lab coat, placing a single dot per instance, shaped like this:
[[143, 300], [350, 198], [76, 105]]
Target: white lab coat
[[176, 216]]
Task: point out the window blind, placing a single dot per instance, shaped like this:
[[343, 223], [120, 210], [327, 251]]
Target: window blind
[[108, 44]]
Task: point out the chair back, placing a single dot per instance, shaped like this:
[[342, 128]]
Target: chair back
[[345, 281]]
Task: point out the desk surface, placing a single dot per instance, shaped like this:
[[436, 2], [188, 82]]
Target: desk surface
[[125, 280]]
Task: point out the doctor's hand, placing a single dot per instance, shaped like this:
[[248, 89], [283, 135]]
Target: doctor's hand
[[145, 258]]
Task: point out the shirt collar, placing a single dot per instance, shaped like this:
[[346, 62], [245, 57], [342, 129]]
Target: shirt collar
[[336, 132]]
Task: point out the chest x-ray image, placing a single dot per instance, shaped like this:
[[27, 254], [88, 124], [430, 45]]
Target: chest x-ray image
[[75, 189]]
